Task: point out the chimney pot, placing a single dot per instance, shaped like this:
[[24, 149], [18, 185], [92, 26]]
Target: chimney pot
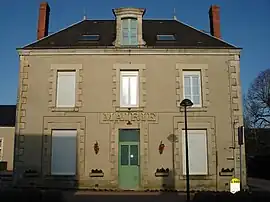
[[43, 20], [214, 16]]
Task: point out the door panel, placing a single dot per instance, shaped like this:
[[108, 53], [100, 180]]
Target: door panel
[[124, 155]]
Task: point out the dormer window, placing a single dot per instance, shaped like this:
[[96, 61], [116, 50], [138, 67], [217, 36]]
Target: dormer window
[[129, 27], [129, 31]]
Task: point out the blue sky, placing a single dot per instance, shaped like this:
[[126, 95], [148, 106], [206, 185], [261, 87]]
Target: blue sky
[[244, 23]]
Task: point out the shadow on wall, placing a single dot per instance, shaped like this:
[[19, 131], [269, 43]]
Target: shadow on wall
[[168, 182], [30, 176], [32, 161], [34, 154]]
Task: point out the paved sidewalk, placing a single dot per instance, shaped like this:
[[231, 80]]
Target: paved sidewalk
[[257, 184], [85, 196]]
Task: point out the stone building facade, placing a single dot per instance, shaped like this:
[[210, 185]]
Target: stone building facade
[[99, 105]]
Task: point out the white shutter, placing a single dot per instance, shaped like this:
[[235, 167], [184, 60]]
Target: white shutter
[[192, 87], [64, 152], [125, 31], [124, 97], [196, 96], [198, 153], [129, 88], [187, 87], [66, 89], [133, 90]]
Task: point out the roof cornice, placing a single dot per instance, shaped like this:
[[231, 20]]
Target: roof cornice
[[126, 51]]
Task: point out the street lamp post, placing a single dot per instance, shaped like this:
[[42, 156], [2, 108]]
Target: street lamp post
[[186, 103]]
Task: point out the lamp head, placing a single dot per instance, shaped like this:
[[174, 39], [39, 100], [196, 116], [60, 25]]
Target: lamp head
[[186, 103]]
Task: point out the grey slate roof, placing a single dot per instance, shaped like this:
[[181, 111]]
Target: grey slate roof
[[7, 115], [186, 36]]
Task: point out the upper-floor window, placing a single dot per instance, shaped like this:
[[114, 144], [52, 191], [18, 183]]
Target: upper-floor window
[[129, 88], [1, 149], [192, 87], [129, 31], [66, 89]]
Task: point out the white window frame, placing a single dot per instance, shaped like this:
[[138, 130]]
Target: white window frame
[[129, 73], [197, 73], [2, 149], [59, 105], [52, 155], [195, 132]]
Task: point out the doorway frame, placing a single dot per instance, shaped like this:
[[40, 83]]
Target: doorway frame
[[144, 150]]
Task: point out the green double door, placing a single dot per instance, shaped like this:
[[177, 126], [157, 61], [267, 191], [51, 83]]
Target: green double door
[[128, 159]]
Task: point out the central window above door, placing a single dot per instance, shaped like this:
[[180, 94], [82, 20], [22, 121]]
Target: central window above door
[[129, 32], [192, 87], [129, 88]]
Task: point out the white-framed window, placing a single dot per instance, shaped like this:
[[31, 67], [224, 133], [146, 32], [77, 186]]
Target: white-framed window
[[197, 152], [129, 31], [1, 148], [129, 88], [192, 87], [64, 152], [66, 89]]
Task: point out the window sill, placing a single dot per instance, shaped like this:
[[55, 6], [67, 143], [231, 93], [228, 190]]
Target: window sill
[[194, 109], [197, 177], [65, 109], [61, 177], [129, 109]]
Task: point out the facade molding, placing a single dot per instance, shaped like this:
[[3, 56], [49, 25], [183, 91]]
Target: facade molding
[[128, 51]]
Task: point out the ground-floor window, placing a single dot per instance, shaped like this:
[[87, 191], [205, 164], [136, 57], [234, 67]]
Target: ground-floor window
[[64, 152], [198, 152]]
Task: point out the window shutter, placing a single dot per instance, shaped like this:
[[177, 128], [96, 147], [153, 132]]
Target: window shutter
[[187, 87], [198, 154], [66, 89], [64, 150], [196, 89], [133, 32], [124, 99], [133, 82], [125, 31]]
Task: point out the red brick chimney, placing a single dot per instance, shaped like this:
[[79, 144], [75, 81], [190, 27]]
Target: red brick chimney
[[214, 21], [43, 20]]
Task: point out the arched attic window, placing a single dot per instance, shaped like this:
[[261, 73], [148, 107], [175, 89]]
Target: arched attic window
[[129, 32]]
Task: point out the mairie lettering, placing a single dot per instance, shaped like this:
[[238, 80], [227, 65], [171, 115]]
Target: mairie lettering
[[129, 116]]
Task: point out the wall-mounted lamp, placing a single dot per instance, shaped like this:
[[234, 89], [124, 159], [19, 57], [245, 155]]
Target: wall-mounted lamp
[[129, 122], [96, 147], [161, 147]]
